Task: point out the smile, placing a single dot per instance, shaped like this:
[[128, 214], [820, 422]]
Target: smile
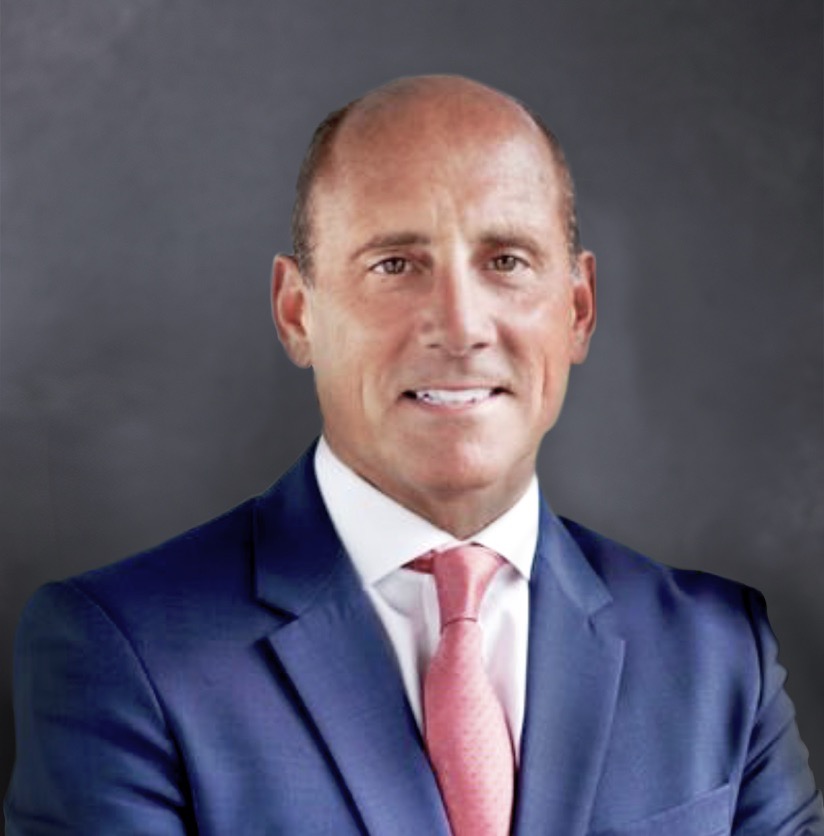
[[453, 397]]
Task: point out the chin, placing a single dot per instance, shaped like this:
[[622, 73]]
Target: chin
[[457, 470]]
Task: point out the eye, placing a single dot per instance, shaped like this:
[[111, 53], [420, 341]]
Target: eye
[[393, 266], [506, 263]]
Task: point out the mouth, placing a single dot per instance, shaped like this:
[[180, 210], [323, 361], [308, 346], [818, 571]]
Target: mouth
[[454, 398]]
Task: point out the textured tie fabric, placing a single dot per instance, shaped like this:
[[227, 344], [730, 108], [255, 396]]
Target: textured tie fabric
[[467, 737]]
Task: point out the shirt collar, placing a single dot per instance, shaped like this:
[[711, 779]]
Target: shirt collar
[[381, 535]]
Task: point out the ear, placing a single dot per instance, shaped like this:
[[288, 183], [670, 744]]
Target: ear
[[583, 306], [290, 313]]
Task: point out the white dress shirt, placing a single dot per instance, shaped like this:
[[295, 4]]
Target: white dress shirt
[[381, 535]]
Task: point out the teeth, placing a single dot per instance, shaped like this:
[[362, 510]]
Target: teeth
[[453, 397]]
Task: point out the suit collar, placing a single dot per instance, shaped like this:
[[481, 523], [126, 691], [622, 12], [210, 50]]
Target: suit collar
[[559, 553], [296, 550], [291, 518], [339, 660], [573, 677]]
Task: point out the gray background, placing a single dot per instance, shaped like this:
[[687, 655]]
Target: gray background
[[149, 154]]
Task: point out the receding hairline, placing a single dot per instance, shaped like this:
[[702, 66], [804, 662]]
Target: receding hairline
[[324, 139], [450, 88]]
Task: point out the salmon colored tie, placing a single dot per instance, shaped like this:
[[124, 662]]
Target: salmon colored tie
[[464, 725]]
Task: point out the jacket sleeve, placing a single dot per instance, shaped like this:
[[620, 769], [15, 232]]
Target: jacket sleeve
[[94, 753], [777, 794]]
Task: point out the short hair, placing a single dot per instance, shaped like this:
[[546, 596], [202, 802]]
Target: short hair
[[316, 157], [320, 148]]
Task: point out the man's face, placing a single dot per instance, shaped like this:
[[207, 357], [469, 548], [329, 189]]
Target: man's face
[[442, 316]]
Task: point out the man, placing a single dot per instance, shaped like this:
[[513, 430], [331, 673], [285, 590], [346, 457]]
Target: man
[[292, 667]]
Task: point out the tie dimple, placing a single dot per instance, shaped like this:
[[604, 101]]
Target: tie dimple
[[464, 725], [462, 576]]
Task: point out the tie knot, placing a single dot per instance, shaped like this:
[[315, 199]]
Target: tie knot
[[462, 575]]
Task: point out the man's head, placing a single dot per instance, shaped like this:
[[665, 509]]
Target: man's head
[[448, 294]]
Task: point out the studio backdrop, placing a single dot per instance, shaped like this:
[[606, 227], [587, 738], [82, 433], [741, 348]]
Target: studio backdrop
[[149, 153]]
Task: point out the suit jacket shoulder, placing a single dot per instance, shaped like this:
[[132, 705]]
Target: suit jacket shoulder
[[700, 693], [217, 683]]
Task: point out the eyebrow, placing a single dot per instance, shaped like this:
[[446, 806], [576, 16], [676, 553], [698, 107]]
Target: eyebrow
[[390, 240], [509, 238], [492, 239]]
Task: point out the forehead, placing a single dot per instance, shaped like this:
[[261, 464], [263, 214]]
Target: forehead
[[421, 164]]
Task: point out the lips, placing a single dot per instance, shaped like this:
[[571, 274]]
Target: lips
[[453, 397]]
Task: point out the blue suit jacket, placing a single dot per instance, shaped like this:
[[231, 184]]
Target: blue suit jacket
[[236, 680]]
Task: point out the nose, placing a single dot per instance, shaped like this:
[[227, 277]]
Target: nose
[[457, 315]]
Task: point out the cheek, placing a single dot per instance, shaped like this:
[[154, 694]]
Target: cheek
[[336, 351], [355, 332], [548, 369], [555, 386], [347, 378]]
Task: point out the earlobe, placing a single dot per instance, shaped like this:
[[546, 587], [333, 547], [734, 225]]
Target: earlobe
[[290, 309], [583, 314]]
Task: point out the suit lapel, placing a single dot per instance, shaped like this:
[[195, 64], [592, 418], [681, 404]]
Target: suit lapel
[[573, 676], [334, 650]]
